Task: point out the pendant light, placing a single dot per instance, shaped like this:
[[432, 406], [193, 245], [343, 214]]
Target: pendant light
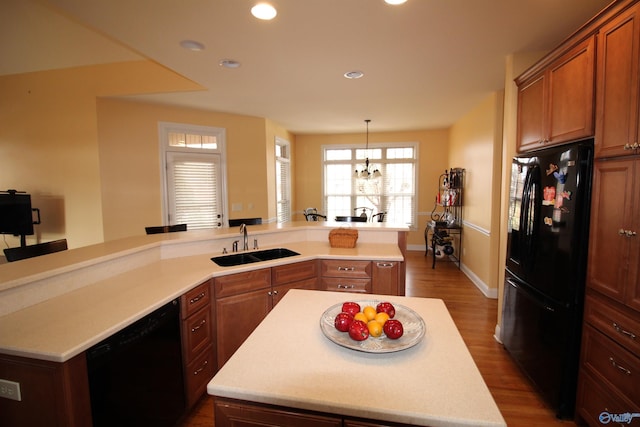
[[367, 173]]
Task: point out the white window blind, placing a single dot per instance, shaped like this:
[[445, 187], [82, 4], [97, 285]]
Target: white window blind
[[283, 181], [194, 190]]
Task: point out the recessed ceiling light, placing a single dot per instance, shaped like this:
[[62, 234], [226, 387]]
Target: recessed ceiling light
[[229, 63], [353, 74], [395, 1], [192, 45], [264, 11]]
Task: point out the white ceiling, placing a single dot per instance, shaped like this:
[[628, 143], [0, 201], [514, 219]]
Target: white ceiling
[[426, 63]]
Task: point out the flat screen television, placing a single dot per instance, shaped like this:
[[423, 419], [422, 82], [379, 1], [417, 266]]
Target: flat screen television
[[15, 213]]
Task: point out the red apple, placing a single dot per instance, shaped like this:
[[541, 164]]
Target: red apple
[[343, 321], [393, 329], [358, 330], [351, 307], [386, 307]]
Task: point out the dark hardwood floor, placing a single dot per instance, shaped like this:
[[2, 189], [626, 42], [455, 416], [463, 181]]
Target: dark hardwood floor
[[475, 316]]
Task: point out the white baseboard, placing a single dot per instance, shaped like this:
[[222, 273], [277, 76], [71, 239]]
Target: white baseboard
[[486, 290], [497, 335]]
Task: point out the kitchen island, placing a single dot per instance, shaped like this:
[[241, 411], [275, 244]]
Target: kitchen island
[[288, 368]]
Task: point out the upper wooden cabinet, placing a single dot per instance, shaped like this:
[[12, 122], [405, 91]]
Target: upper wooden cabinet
[[556, 104], [617, 86]]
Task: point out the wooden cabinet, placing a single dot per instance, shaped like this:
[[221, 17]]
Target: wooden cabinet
[[234, 413], [556, 103], [197, 329], [385, 277], [243, 300], [614, 251], [346, 276], [617, 110], [610, 352]]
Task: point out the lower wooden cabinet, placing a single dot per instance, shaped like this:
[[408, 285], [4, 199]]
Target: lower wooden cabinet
[[240, 413], [242, 300], [198, 357]]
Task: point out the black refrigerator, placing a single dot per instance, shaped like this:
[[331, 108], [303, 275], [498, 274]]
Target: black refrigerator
[[547, 244]]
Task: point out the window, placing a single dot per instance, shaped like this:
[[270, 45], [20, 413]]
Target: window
[[283, 180], [394, 193], [192, 159]]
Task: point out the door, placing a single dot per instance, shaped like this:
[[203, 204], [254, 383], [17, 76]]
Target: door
[[549, 218], [542, 337]]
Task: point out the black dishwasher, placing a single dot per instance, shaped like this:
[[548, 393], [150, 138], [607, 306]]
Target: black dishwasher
[[135, 376]]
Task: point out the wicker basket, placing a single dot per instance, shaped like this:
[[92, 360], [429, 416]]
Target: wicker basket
[[343, 238]]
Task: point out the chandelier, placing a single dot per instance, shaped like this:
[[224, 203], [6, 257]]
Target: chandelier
[[366, 172]]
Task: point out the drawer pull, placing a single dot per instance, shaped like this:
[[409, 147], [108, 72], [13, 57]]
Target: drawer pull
[[385, 264], [195, 328], [341, 286], [623, 332], [201, 368], [197, 298], [621, 368], [346, 268]]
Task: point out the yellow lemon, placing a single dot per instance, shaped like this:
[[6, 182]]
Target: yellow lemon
[[360, 316], [370, 312], [375, 328], [381, 318]]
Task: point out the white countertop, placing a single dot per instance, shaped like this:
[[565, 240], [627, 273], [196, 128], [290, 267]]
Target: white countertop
[[288, 361], [88, 294]]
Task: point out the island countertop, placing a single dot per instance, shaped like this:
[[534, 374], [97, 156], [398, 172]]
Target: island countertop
[[288, 361]]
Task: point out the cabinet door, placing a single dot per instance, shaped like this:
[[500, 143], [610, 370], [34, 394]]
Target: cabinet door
[[571, 87], [385, 277], [611, 214], [617, 85], [531, 111], [294, 272], [236, 317], [632, 297]]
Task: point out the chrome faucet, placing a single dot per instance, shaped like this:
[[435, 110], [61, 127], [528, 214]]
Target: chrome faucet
[[243, 229]]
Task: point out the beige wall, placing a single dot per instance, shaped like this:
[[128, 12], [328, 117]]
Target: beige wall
[[49, 145], [130, 162], [433, 151], [476, 146]]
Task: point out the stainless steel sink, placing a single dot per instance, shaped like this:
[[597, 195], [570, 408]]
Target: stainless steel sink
[[251, 257]]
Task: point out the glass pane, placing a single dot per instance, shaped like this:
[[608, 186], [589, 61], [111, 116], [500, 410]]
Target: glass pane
[[338, 154], [338, 179], [209, 142], [372, 153], [400, 153], [176, 139], [338, 205]]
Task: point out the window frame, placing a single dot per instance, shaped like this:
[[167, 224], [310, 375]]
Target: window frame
[[355, 148], [287, 190], [164, 128]]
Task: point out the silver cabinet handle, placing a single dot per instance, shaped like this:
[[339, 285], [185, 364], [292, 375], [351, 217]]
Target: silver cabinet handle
[[627, 233], [619, 367], [384, 264], [341, 286], [623, 332], [195, 328], [633, 146], [346, 268], [197, 298]]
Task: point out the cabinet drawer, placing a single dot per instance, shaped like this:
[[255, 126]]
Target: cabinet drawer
[[195, 299], [240, 283], [198, 374], [595, 399], [623, 329], [346, 284], [616, 365], [346, 268], [197, 333], [293, 272]]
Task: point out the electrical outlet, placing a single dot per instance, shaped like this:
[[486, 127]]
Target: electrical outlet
[[10, 390]]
